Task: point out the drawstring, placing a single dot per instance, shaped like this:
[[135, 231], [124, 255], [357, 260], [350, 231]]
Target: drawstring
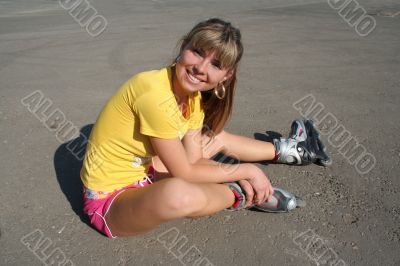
[[144, 180], [92, 194]]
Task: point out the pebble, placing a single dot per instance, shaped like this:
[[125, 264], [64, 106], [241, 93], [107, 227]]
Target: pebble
[[354, 245], [227, 218], [349, 218]]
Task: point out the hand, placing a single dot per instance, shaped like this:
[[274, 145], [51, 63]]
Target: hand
[[260, 184], [248, 190]]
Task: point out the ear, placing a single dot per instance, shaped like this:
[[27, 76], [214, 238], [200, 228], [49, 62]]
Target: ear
[[228, 75]]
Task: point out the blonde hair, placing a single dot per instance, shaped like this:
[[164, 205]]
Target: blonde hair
[[219, 35]]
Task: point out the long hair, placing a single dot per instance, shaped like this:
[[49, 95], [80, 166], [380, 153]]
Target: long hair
[[219, 35]]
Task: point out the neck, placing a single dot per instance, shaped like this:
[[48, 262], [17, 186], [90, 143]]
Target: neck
[[180, 94]]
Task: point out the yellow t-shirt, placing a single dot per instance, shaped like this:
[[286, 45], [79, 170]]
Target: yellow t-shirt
[[119, 149]]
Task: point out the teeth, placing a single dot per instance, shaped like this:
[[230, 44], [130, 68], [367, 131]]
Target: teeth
[[192, 78]]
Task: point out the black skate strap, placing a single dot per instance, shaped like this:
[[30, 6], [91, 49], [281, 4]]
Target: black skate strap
[[315, 144]]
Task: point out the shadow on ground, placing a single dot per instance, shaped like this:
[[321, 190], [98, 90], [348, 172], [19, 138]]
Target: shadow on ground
[[67, 165]]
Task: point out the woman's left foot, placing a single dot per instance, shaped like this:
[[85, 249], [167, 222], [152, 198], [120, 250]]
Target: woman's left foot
[[303, 146]]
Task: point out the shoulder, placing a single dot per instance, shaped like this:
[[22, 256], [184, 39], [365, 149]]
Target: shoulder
[[152, 78], [147, 82], [152, 87]]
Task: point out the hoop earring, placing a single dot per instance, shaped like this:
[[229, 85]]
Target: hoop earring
[[220, 95]]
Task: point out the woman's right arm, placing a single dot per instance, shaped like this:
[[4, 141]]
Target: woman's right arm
[[173, 156]]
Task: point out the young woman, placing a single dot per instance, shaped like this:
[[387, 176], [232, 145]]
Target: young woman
[[173, 119]]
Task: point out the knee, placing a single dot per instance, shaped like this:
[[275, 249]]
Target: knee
[[183, 196]]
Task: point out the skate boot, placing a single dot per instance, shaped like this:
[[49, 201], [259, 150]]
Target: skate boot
[[281, 201], [302, 147], [240, 197]]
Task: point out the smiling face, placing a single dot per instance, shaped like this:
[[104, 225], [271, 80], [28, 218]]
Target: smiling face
[[198, 70]]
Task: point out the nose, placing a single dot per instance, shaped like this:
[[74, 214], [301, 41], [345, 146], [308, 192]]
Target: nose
[[201, 67]]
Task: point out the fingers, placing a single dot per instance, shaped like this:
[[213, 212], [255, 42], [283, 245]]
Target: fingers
[[260, 195], [261, 186], [248, 189], [269, 191], [263, 192]]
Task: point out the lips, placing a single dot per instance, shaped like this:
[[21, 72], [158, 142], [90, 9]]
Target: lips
[[193, 79]]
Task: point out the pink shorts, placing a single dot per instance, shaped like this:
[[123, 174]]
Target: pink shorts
[[96, 203]]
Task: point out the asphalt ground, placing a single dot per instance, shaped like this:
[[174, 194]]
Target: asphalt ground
[[299, 55]]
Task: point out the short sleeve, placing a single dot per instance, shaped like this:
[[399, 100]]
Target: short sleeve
[[157, 116]]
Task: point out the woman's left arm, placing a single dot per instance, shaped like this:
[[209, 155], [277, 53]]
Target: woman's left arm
[[192, 142]]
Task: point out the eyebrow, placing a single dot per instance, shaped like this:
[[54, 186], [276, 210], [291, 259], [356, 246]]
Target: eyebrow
[[216, 59]]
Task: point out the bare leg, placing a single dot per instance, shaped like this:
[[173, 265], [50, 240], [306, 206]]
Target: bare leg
[[239, 147], [137, 211]]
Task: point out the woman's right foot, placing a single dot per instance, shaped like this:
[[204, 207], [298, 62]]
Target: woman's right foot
[[281, 200]]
